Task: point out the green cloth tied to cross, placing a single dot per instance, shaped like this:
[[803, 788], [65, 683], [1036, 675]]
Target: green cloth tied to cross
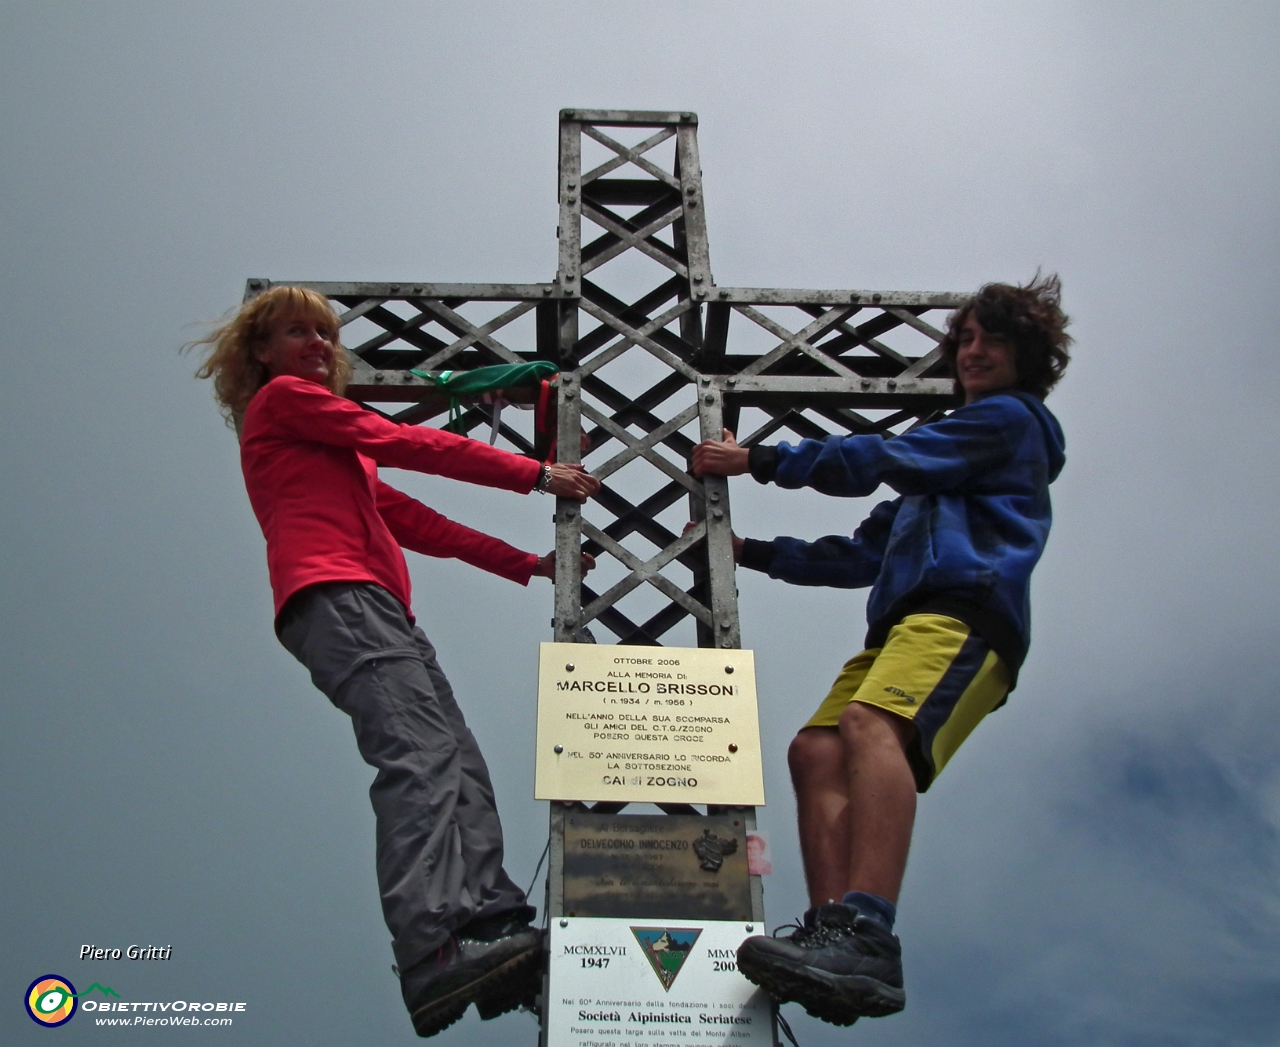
[[458, 384]]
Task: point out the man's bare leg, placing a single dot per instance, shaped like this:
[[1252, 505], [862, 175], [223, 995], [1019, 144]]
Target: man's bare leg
[[881, 792], [856, 800], [821, 780]]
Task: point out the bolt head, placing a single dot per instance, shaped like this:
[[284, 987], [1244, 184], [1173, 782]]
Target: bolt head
[[732, 748], [570, 667], [729, 669], [558, 749], [564, 923]]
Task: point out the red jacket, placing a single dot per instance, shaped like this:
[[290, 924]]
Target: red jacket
[[310, 462]]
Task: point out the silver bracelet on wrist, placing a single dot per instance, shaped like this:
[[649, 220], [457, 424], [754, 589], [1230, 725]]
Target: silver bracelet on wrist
[[544, 479]]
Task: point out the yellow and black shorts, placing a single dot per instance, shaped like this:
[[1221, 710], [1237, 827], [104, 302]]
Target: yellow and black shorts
[[933, 671]]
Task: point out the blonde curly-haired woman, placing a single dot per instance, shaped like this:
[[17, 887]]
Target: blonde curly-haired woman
[[334, 534]]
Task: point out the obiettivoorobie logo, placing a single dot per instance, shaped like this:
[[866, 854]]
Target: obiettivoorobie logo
[[52, 1000]]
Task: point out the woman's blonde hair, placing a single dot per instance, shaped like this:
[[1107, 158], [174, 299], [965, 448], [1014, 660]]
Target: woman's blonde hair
[[237, 372]]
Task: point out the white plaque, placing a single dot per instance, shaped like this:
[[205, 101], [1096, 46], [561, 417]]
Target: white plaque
[[648, 724], [652, 983]]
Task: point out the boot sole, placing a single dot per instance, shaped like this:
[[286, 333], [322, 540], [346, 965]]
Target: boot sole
[[436, 1017], [834, 998], [522, 968], [440, 1013]]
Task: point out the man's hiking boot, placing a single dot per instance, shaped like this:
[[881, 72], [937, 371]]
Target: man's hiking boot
[[839, 966], [469, 968]]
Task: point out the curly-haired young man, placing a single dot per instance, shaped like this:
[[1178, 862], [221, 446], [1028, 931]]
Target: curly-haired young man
[[949, 562]]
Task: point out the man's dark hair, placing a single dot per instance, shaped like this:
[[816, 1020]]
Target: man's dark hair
[[1031, 317]]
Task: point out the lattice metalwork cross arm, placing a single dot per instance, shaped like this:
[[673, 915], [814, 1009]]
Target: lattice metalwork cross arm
[[654, 356]]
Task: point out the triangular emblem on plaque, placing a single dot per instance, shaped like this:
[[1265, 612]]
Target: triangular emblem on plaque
[[666, 949]]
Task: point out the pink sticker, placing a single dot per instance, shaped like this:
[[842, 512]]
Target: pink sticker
[[759, 859]]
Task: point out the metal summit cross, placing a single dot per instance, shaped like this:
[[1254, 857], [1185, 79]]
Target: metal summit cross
[[654, 355]]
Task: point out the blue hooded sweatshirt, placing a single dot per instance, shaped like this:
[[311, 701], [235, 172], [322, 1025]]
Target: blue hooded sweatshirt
[[962, 539]]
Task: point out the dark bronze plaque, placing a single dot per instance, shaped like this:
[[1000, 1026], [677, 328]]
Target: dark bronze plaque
[[633, 866]]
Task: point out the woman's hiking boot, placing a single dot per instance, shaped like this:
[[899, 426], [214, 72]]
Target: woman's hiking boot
[[491, 962], [523, 983]]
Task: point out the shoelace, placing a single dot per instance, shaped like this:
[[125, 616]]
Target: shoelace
[[824, 934], [818, 934], [799, 932]]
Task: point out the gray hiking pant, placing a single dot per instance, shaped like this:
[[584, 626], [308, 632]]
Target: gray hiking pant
[[439, 842]]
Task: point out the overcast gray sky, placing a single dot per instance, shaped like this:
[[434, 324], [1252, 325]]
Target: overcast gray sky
[[1098, 865]]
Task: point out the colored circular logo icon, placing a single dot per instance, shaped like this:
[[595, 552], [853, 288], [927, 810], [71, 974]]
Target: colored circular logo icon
[[51, 1000]]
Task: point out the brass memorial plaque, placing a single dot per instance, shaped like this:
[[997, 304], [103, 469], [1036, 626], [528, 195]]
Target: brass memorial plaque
[[648, 724], [635, 866]]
